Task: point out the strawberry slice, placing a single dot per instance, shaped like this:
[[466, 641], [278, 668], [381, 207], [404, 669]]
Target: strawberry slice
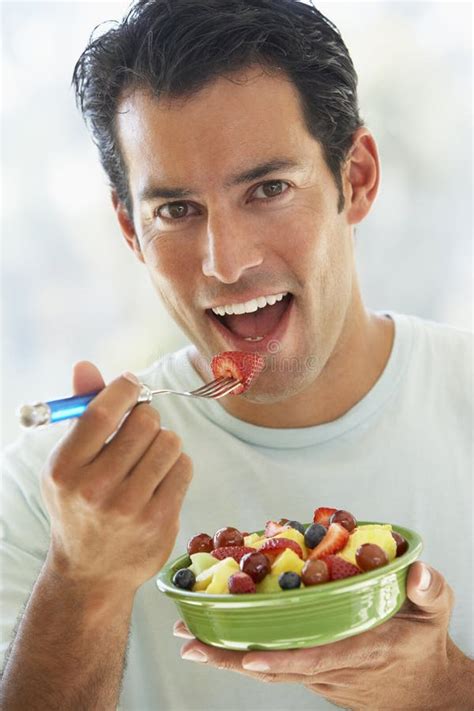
[[239, 365], [274, 546], [322, 516], [235, 552], [340, 568], [272, 528], [334, 541]]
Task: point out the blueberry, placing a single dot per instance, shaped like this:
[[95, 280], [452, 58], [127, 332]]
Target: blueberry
[[314, 534], [184, 578], [289, 581], [296, 524]]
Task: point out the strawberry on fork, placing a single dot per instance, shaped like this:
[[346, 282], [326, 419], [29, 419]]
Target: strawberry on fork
[[239, 365]]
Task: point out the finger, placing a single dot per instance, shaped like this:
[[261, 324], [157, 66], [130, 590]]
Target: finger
[[165, 504], [180, 630], [86, 378], [196, 651], [109, 475], [305, 662], [428, 589], [102, 417], [310, 661], [243, 662], [152, 468], [137, 434]]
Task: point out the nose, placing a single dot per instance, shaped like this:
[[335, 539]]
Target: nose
[[231, 248]]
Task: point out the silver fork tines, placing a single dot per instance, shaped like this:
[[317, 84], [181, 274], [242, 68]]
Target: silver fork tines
[[215, 389]]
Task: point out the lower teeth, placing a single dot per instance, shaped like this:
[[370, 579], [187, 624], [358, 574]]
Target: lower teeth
[[257, 338]]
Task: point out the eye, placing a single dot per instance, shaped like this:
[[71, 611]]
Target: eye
[[270, 189], [175, 211]]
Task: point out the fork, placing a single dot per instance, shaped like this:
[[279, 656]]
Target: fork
[[44, 413]]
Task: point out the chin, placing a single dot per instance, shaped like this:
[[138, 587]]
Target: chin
[[279, 387]]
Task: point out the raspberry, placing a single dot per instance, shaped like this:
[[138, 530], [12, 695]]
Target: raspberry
[[235, 552], [340, 568], [241, 583]]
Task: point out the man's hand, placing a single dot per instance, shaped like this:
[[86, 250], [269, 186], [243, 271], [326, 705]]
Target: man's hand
[[408, 662], [114, 503], [113, 489]]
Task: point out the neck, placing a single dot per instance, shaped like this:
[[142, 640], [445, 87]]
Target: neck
[[355, 365]]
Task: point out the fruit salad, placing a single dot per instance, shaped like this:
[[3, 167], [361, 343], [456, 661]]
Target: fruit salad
[[288, 554]]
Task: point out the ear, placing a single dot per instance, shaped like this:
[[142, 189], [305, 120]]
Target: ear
[[362, 175], [126, 226]]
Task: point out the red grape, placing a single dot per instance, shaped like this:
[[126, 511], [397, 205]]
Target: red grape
[[314, 572], [256, 565], [370, 556], [202, 543], [346, 519], [228, 537], [402, 544]]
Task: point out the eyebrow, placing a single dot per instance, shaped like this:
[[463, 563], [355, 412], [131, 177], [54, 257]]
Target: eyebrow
[[247, 176]]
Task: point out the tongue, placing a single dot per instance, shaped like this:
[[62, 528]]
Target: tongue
[[260, 323]]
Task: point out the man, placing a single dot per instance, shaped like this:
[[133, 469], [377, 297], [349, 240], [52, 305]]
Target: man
[[239, 168]]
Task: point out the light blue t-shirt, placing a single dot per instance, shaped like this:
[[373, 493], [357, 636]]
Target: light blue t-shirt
[[403, 454]]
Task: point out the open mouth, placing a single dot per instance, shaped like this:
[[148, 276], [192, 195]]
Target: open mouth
[[257, 328]]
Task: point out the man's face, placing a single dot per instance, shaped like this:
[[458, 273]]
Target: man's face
[[233, 201]]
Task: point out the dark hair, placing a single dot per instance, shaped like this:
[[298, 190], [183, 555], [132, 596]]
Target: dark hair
[[175, 47]]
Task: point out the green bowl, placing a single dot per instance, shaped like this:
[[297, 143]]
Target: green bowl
[[305, 617]]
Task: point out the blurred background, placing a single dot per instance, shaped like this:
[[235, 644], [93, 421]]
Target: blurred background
[[72, 290]]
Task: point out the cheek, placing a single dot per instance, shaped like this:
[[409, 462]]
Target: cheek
[[170, 272], [306, 237], [320, 253]]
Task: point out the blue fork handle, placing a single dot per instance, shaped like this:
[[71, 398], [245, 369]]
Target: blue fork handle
[[69, 406], [43, 413]]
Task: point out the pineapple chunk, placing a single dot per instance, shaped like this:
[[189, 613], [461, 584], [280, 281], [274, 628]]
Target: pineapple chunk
[[381, 534], [222, 573], [200, 562], [254, 540], [288, 561], [293, 535], [269, 584], [204, 578]]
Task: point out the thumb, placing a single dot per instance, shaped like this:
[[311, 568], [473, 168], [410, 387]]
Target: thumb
[[86, 378], [428, 589]]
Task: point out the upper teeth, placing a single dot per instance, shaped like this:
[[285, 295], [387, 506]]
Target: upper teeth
[[249, 306]]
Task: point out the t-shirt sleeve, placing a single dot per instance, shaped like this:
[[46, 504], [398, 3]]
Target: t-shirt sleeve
[[24, 528]]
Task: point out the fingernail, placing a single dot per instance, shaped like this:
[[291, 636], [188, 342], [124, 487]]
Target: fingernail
[[256, 666], [425, 580], [131, 377], [183, 634], [194, 655]]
